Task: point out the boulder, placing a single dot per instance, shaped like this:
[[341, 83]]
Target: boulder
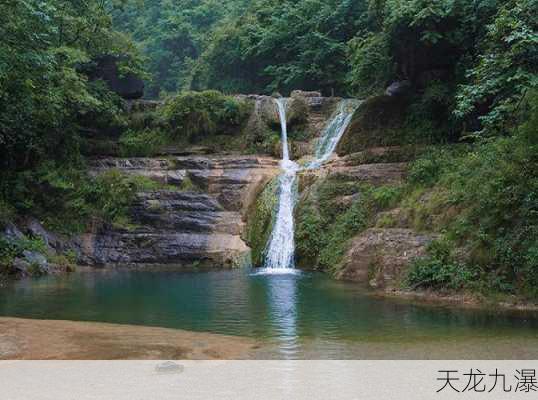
[[399, 88], [380, 257], [378, 122]]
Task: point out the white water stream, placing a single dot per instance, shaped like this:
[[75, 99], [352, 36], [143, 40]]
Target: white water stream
[[280, 250], [279, 255]]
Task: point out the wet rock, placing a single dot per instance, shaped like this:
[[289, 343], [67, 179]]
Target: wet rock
[[21, 267], [379, 257], [12, 233], [33, 257]]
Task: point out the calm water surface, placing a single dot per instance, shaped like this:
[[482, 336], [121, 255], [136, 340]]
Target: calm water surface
[[304, 315]]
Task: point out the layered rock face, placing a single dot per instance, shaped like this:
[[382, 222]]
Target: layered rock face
[[378, 257], [200, 225]]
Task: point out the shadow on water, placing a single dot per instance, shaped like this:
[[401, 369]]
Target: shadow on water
[[297, 315]]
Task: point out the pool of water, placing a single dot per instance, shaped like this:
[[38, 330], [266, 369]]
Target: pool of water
[[297, 315]]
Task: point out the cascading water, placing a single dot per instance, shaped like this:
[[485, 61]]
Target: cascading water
[[333, 131], [280, 250], [279, 254]]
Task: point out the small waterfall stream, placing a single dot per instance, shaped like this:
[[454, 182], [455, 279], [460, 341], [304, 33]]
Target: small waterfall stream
[[280, 250], [333, 131]]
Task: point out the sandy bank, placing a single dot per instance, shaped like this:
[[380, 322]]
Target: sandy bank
[[69, 340]]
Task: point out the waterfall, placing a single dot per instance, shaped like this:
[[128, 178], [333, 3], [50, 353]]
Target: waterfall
[[280, 250], [333, 131], [279, 254]]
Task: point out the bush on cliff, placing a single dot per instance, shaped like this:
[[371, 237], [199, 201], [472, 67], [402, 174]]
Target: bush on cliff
[[193, 115], [439, 270], [143, 143]]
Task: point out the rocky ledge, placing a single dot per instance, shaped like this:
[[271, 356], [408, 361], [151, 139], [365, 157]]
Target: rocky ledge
[[198, 220]]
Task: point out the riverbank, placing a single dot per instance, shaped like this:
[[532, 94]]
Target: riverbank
[[460, 299], [32, 339]]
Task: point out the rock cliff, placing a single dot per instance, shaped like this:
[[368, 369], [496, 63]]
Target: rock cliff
[[199, 224]]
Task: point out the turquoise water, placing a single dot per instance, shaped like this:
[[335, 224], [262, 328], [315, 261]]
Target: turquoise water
[[298, 315]]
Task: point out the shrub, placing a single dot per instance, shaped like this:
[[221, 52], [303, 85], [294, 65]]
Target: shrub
[[141, 143], [192, 115], [485, 199], [432, 273], [439, 270], [111, 193], [7, 212]]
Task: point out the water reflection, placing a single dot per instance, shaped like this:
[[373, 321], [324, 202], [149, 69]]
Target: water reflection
[[282, 299]]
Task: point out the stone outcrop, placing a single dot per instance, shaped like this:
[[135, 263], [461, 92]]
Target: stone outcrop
[[378, 257], [202, 226], [398, 88]]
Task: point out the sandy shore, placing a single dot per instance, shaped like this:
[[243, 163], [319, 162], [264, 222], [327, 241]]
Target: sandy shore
[[70, 340]]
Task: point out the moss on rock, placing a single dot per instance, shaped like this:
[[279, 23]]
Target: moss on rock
[[260, 221]]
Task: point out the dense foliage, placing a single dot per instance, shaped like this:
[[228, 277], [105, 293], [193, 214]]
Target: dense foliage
[[484, 199], [469, 62], [46, 99]]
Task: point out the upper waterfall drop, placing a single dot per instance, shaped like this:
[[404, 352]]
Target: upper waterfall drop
[[281, 106]]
